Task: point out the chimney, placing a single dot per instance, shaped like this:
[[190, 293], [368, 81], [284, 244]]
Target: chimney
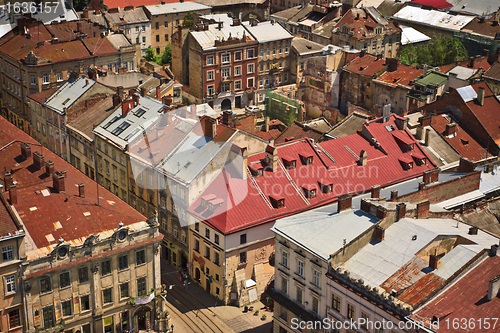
[[401, 210], [127, 106], [421, 186], [236, 22], [357, 16], [227, 118], [158, 93], [127, 8], [25, 150], [344, 202], [220, 25], [362, 158], [375, 193], [37, 160], [401, 122], [473, 231], [472, 60], [433, 261], [486, 53], [13, 194], [465, 165], [81, 190], [143, 91], [431, 176], [450, 129], [167, 100], [494, 250], [49, 167], [7, 180], [362, 53], [494, 288], [480, 96], [86, 13], [392, 64], [135, 98], [427, 136], [379, 233], [365, 205], [254, 23], [58, 181], [78, 26], [394, 195], [379, 56], [120, 91], [266, 124], [423, 209], [272, 158], [116, 100]]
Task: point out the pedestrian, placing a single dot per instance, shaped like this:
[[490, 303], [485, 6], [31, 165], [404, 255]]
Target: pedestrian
[[180, 276]]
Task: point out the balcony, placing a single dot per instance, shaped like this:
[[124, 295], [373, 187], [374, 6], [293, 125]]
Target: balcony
[[228, 78]]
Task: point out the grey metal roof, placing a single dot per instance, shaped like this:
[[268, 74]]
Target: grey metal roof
[[217, 17], [126, 80], [304, 46], [176, 7], [463, 73], [267, 32], [123, 17], [433, 18], [152, 109], [118, 40], [322, 231], [478, 8], [63, 11], [410, 35], [378, 261], [206, 39], [68, 93]]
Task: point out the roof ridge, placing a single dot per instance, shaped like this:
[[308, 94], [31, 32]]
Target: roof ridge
[[290, 180]]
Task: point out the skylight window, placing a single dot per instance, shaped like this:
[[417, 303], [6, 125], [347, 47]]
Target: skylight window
[[134, 132], [65, 101], [119, 130], [112, 121], [140, 112]]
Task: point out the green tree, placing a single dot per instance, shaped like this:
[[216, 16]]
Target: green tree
[[189, 19], [150, 55], [440, 51], [166, 56]]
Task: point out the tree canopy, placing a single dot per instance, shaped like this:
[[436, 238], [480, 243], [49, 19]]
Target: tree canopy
[[163, 59], [439, 52], [189, 19]]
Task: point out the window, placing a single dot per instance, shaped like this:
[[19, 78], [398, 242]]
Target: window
[[32, 80], [237, 71], [45, 78], [210, 90], [10, 283], [243, 257], [315, 305], [7, 253], [157, 25], [124, 290], [300, 268], [207, 252], [237, 55], [274, 50], [316, 277], [197, 245], [137, 29], [250, 68], [280, 49], [261, 83], [299, 294], [64, 280], [176, 232], [123, 262], [83, 274], [226, 86], [85, 302], [14, 320], [66, 308], [165, 24], [141, 286], [237, 85], [207, 233], [243, 239], [143, 28], [350, 311], [225, 58], [336, 301], [216, 258], [286, 77], [366, 318], [106, 267], [59, 76], [144, 39], [250, 53], [197, 226], [216, 239], [157, 50], [267, 52], [183, 237], [210, 75], [286, 48], [115, 172], [45, 286], [210, 60], [157, 38], [284, 284], [284, 258], [106, 296], [140, 257], [261, 53], [48, 316], [250, 82]]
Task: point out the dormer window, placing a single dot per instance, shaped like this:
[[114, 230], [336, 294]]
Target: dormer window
[[289, 162], [406, 163], [326, 188], [309, 191], [257, 169], [206, 199], [277, 202], [419, 159], [306, 159], [214, 204]]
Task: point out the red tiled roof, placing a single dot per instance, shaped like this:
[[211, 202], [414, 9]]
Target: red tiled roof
[[462, 142], [65, 31], [488, 115], [473, 63], [272, 134], [365, 24], [438, 4], [99, 46], [465, 299], [247, 203], [367, 65], [79, 217], [8, 225], [135, 3], [42, 96], [487, 90], [402, 76], [298, 131]]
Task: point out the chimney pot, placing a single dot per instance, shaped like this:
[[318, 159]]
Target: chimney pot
[[394, 195], [25, 150], [158, 93], [344, 202], [375, 192], [480, 96], [38, 160], [433, 261], [473, 230], [58, 181], [81, 190], [49, 167], [7, 180], [13, 194]]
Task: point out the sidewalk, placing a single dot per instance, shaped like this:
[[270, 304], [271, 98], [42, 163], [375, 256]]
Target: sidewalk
[[232, 316]]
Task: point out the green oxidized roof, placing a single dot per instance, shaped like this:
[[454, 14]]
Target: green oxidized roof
[[432, 79]]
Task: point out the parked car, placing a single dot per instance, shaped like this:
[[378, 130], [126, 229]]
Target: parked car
[[252, 108]]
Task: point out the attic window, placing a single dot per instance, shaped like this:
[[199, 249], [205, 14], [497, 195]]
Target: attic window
[[464, 142], [139, 112], [134, 132], [406, 163], [112, 121], [277, 202], [119, 130], [289, 163], [65, 101], [215, 203], [326, 188], [205, 200], [419, 159], [306, 159], [257, 170], [309, 191]]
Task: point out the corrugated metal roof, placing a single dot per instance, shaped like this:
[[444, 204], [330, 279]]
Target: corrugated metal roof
[[478, 8], [68, 93], [463, 73], [410, 35], [206, 39], [432, 18], [177, 7], [266, 31]]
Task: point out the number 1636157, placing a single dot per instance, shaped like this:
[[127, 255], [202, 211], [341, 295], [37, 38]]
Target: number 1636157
[[30, 7]]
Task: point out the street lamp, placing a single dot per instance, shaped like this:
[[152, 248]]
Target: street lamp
[[171, 328]]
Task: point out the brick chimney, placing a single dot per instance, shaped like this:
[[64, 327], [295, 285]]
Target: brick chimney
[[473, 230], [431, 176], [13, 194], [58, 182], [362, 53], [450, 129], [363, 158], [127, 106], [167, 100], [433, 261], [116, 100], [86, 13], [272, 158], [423, 209], [427, 137], [379, 233], [375, 192], [379, 56], [143, 91], [392, 64], [236, 22], [158, 93], [394, 195], [81, 190], [49, 167], [37, 160], [421, 186], [135, 98], [494, 288], [480, 96], [465, 165], [344, 202], [266, 124], [227, 118], [7, 180], [494, 250], [401, 211], [25, 150]]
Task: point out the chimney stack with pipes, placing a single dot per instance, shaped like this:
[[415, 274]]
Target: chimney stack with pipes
[[58, 182], [344, 202], [38, 160], [49, 167], [480, 96], [25, 150], [272, 158], [13, 194]]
